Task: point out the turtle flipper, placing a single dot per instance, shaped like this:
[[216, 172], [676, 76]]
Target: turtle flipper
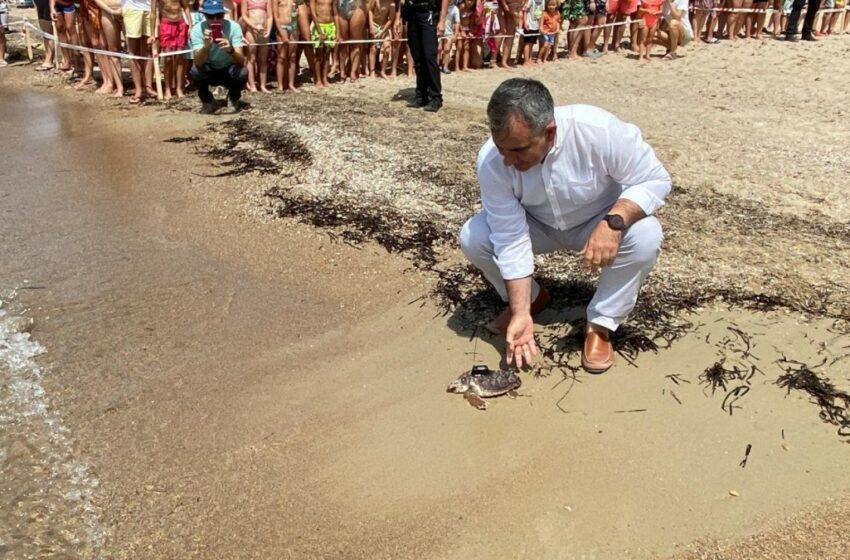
[[474, 400]]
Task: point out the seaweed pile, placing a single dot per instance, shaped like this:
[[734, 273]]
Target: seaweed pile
[[834, 404]]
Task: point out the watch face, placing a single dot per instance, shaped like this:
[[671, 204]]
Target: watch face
[[616, 222]]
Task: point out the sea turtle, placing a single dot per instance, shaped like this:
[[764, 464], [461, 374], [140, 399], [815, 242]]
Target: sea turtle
[[481, 383]]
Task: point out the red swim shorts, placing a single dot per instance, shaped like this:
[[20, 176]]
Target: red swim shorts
[[623, 7], [173, 34]]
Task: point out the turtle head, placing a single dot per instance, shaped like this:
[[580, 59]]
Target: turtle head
[[459, 385]]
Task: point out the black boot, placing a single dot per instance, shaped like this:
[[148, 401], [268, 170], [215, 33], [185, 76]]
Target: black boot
[[417, 101], [434, 105]]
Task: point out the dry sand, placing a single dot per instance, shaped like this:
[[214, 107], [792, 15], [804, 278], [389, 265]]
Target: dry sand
[[250, 387]]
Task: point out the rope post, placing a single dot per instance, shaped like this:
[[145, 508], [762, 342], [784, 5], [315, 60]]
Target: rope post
[[157, 71], [58, 55], [26, 27]]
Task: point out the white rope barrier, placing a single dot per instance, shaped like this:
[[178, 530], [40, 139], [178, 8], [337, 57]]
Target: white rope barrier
[[115, 54], [519, 33]]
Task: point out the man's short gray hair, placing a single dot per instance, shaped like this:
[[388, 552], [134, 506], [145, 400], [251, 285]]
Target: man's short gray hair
[[523, 98]]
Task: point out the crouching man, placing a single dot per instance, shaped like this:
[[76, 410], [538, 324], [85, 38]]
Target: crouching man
[[218, 57], [573, 177]]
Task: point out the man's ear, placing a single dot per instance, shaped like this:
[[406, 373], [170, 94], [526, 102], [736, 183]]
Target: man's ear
[[551, 131]]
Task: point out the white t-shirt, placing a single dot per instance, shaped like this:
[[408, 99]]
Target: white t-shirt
[[534, 11], [682, 6], [452, 19]]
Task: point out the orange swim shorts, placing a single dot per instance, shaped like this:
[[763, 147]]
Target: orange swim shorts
[[622, 7]]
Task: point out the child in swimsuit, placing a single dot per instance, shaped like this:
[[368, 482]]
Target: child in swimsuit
[[448, 38], [174, 36], [286, 22], [550, 24], [464, 36], [650, 11], [324, 13]]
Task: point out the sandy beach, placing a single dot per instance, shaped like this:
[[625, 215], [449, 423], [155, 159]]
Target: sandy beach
[[246, 366]]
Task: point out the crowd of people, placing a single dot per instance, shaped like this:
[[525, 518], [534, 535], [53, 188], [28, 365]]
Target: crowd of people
[[255, 43]]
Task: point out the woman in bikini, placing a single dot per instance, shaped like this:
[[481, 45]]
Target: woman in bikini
[[351, 25], [257, 19]]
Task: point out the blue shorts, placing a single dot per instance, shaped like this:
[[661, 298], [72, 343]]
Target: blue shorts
[[548, 38], [65, 8]]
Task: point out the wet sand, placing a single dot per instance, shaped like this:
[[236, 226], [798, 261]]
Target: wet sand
[[247, 388]]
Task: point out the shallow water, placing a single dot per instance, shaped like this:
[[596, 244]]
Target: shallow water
[[46, 493]]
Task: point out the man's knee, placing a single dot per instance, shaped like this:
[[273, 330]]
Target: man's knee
[[475, 237], [239, 73], [198, 74], [646, 237]]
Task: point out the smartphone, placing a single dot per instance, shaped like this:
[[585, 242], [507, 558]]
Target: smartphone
[[216, 31]]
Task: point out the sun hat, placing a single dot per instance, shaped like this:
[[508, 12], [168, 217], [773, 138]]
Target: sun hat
[[212, 7]]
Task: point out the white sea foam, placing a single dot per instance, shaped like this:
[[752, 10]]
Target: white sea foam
[[27, 418]]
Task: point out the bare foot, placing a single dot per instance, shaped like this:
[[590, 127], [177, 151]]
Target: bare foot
[[180, 94], [150, 91], [265, 89], [118, 93], [104, 89], [294, 89], [83, 83], [167, 95]]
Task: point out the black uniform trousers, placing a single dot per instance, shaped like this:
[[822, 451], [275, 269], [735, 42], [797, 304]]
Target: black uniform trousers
[[422, 38], [794, 18]]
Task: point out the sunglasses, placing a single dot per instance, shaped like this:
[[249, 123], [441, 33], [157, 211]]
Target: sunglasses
[[214, 16]]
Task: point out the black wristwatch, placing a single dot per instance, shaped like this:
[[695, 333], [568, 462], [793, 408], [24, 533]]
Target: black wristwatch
[[615, 222]]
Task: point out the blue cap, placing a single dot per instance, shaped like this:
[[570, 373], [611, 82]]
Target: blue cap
[[212, 7]]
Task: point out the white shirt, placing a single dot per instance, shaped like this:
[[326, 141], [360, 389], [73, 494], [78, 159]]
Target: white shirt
[[596, 159], [682, 6], [534, 11]]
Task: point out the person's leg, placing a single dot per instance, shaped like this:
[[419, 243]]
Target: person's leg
[[808, 23], [619, 31], [414, 41], [85, 41], [282, 62], [476, 245], [202, 80], [46, 26], [136, 70], [304, 31], [634, 27], [342, 50], [357, 32], [263, 67], [2, 45], [794, 19], [620, 283], [430, 66], [112, 36], [508, 44], [674, 38], [776, 18], [251, 59], [598, 21], [236, 79]]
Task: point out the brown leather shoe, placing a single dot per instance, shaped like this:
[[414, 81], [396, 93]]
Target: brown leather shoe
[[598, 354], [499, 325]]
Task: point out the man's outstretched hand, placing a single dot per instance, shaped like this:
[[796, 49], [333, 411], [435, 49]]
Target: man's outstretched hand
[[520, 345]]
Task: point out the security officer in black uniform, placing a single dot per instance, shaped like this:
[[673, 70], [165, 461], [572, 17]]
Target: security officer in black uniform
[[426, 20]]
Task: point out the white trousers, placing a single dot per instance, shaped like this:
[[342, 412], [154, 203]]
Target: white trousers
[[619, 283]]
